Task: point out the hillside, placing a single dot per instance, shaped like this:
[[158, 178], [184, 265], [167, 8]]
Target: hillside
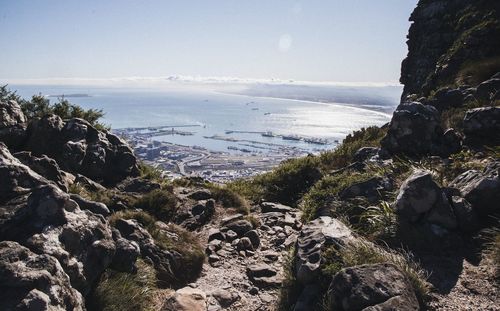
[[402, 217]]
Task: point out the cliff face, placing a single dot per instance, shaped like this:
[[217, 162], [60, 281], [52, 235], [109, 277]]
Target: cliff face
[[451, 43]]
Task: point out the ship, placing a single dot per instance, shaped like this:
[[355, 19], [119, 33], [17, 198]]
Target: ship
[[290, 137], [317, 141], [268, 134]]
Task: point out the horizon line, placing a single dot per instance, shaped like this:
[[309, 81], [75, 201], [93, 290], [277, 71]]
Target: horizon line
[[186, 79]]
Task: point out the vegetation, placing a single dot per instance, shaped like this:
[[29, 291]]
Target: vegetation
[[492, 249], [124, 291], [363, 252], [40, 106], [172, 238], [162, 204], [229, 198]]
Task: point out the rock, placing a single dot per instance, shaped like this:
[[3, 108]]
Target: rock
[[94, 207], [452, 142], [78, 147], [420, 197], [82, 243], [447, 98], [231, 235], [138, 185], [267, 207], [481, 189], [488, 89], [88, 183], [17, 178], [372, 287], [371, 189], [201, 194], [365, 153], [44, 166], [466, 216], [313, 238], [34, 282], [240, 227], [263, 275], [231, 218], [224, 297], [215, 234], [186, 299], [308, 297], [213, 246], [253, 290], [126, 253], [166, 262], [12, 124], [482, 126], [414, 130], [244, 244], [254, 238]]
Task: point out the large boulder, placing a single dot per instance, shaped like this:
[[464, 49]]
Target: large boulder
[[12, 124], [83, 244], [311, 243], [186, 299], [78, 147], [489, 89], [421, 199], [414, 130], [44, 166], [482, 126], [481, 189], [372, 287], [30, 281]]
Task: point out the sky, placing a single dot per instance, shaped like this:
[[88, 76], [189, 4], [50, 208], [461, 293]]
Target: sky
[[313, 40]]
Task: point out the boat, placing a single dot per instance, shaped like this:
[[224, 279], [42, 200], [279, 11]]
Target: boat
[[290, 137], [268, 134], [267, 113], [317, 141], [255, 108]]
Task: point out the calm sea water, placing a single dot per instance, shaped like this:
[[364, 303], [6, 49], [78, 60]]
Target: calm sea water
[[216, 113]]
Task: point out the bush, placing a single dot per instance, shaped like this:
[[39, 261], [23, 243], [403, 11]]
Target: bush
[[344, 153], [159, 203], [124, 291], [285, 184], [325, 192], [229, 198], [40, 106]]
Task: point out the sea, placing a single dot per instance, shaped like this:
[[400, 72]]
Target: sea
[[205, 113]]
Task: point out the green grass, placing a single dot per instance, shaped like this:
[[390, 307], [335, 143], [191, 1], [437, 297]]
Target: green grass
[[378, 221], [124, 291], [229, 198], [160, 203], [150, 172], [363, 252]]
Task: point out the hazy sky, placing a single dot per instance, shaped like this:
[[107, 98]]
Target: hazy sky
[[327, 40]]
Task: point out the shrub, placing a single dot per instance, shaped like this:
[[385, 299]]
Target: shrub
[[159, 203], [325, 192], [378, 221], [344, 153], [229, 198], [124, 291], [285, 184], [150, 172]]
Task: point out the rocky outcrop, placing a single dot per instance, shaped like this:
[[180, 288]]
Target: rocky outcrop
[[78, 147], [30, 281], [444, 38], [13, 124], [372, 287]]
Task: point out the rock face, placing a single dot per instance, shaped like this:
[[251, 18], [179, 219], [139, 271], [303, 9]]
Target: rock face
[[12, 124], [44, 166], [78, 147], [421, 199], [372, 287], [444, 36], [34, 282], [414, 130], [482, 126], [481, 189]]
